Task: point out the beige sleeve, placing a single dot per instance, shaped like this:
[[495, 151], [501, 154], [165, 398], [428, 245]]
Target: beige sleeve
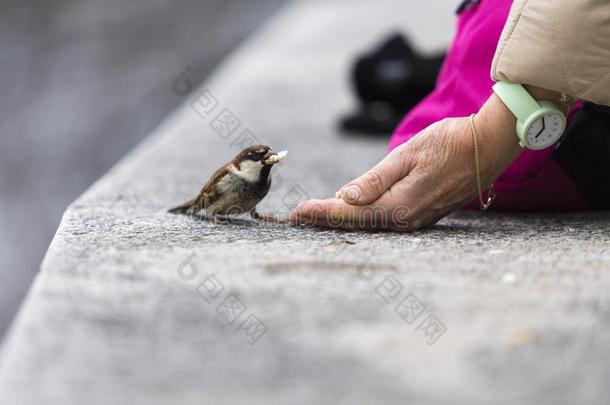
[[561, 45]]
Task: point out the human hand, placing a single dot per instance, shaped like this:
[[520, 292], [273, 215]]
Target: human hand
[[423, 180]]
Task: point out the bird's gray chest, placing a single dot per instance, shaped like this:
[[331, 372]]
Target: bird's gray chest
[[240, 194]]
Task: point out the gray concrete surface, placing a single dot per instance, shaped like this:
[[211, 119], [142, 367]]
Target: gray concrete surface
[[82, 83], [136, 306]]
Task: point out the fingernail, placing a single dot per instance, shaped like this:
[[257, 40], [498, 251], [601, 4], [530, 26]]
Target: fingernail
[[350, 193]]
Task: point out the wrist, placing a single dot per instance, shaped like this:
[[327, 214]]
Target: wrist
[[497, 130], [499, 142]]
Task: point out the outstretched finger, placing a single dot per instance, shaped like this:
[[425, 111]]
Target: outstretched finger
[[336, 213]]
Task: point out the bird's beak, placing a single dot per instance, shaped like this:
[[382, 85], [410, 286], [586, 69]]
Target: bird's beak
[[267, 158], [271, 157]]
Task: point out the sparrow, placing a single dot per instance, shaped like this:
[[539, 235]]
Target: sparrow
[[236, 187]]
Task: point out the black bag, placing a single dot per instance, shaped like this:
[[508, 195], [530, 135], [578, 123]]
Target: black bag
[[584, 153], [389, 82]]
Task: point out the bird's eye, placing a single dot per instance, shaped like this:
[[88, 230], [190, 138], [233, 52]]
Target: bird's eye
[[256, 155]]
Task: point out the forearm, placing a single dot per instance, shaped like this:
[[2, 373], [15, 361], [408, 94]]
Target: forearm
[[557, 45]]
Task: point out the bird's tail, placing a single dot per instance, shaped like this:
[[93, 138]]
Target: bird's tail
[[185, 208]]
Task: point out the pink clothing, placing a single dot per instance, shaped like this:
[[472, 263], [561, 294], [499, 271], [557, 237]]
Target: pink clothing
[[534, 181]]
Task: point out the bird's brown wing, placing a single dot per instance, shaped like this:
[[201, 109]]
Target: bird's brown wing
[[208, 194]]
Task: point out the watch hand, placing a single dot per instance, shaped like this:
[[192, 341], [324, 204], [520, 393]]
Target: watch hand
[[542, 130]]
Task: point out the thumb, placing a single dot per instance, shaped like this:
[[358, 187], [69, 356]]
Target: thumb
[[372, 184]]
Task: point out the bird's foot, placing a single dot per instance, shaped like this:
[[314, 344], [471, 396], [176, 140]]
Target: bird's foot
[[270, 219], [218, 220]]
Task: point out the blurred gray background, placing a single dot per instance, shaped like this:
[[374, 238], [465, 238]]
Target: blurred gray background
[[82, 82]]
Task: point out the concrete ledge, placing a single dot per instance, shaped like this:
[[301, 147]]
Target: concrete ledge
[[135, 306]]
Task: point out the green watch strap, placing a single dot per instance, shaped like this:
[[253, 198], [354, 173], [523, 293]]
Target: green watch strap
[[517, 99]]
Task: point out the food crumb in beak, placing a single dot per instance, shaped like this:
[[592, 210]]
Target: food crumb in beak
[[275, 158]]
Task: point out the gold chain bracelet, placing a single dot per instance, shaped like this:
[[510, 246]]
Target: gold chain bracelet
[[491, 196]]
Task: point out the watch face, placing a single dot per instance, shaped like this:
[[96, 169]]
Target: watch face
[[545, 131]]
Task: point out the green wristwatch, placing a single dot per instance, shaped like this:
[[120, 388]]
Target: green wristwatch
[[540, 124]]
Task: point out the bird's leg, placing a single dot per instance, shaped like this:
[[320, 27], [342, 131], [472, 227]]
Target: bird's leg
[[203, 215], [217, 220]]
